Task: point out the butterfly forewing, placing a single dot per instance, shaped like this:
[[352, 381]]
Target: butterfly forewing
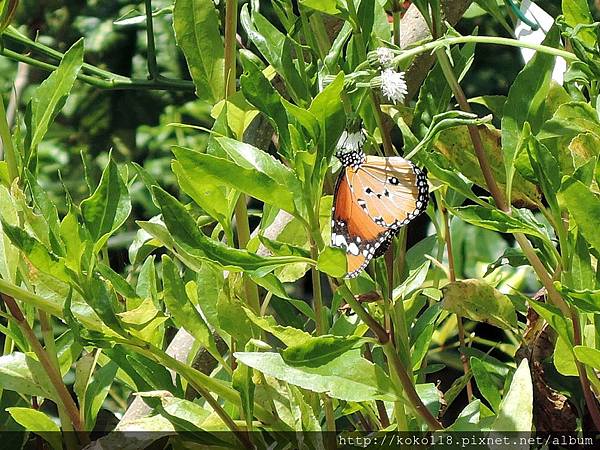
[[392, 191], [352, 229]]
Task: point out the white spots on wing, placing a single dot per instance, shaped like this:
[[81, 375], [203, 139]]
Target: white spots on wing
[[338, 240], [353, 249]]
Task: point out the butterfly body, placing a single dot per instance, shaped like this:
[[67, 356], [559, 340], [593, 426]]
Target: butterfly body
[[374, 197]]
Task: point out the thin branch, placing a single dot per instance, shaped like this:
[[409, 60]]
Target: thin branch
[[452, 272], [114, 82], [151, 53], [53, 374], [396, 364]]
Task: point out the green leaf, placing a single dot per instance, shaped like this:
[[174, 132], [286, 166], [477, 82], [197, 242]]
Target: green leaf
[[103, 300], [7, 11], [282, 248], [468, 419], [196, 25], [431, 397], [37, 253], [516, 408], [569, 120], [547, 170], [211, 196], [329, 111], [495, 103], [584, 206], [251, 171], [494, 219], [577, 12], [39, 423], [479, 301], [332, 261], [277, 48], [318, 351], [273, 285], [50, 97], [96, 392], [108, 207], [184, 409], [193, 242], [525, 102], [421, 346], [585, 300], [119, 283], [348, 377], [329, 7], [71, 234], [588, 356], [290, 336], [564, 358], [15, 375], [435, 94], [241, 381], [582, 274], [259, 92], [456, 147], [555, 319], [48, 209], [485, 383], [9, 254], [511, 257], [184, 314]]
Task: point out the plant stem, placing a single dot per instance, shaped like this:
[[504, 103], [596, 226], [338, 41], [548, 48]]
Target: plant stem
[[409, 389], [241, 210], [377, 113], [7, 143], [493, 40], [48, 336], [390, 352], [230, 46], [396, 22], [383, 415], [320, 319], [151, 53], [452, 271], [64, 397], [590, 399]]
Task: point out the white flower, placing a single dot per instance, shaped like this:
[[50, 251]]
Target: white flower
[[385, 56], [351, 141], [393, 86]]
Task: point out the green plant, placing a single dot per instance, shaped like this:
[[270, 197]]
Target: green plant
[[224, 259]]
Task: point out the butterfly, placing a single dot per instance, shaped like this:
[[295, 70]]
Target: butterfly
[[373, 198]]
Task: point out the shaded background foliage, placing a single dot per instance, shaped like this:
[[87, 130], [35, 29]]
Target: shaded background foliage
[[136, 126]]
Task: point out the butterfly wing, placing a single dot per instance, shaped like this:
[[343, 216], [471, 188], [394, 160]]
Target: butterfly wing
[[351, 227], [391, 191]]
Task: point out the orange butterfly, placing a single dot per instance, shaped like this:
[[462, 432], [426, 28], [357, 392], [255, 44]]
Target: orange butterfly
[[373, 198]]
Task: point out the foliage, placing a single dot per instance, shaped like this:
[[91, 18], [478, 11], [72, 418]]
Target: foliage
[[175, 268]]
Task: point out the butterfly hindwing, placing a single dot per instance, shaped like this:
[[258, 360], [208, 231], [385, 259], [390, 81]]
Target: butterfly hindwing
[[352, 229]]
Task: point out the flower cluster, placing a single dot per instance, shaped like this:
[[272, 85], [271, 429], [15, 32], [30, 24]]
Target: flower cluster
[[391, 83]]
